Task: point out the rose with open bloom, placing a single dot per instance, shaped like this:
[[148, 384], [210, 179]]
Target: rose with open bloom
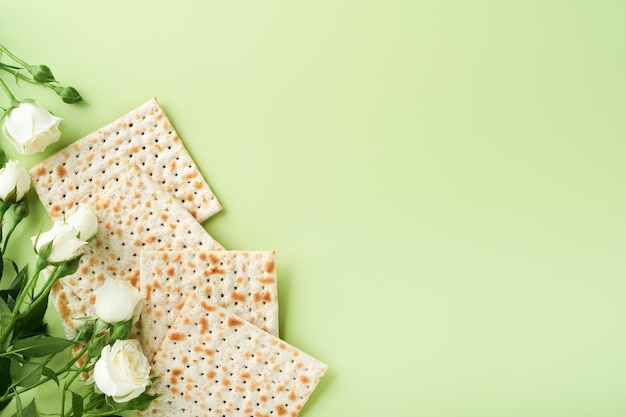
[[30, 127], [122, 371], [118, 301], [14, 182], [64, 239]]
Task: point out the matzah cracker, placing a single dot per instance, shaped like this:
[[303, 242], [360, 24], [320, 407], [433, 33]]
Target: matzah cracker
[[143, 137], [69, 308], [242, 282], [213, 363], [134, 214]]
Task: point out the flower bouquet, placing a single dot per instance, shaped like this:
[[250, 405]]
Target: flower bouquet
[[127, 203], [102, 371]]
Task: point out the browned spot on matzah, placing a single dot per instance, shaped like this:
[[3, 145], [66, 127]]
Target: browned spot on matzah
[[60, 171], [206, 306], [233, 322], [204, 324], [281, 410], [177, 336], [238, 296], [264, 296], [266, 280], [269, 266]]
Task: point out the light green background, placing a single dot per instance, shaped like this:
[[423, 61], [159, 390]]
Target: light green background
[[443, 181]]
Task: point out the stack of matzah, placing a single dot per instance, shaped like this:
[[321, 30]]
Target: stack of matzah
[[210, 321]]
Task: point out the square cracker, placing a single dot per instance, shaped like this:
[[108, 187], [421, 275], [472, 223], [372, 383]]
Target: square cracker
[[70, 308], [242, 282], [213, 363], [134, 214], [145, 137]]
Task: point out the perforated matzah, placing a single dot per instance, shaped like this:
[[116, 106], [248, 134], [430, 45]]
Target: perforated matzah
[[212, 363], [69, 308], [143, 137], [134, 214], [242, 282]]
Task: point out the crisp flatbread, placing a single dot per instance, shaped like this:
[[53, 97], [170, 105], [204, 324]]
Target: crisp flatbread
[[145, 137], [213, 363], [134, 214], [70, 308], [242, 282]]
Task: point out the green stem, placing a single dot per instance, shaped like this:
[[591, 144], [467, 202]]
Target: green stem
[[43, 293], [17, 74], [5, 87], [12, 56], [10, 232], [58, 373]]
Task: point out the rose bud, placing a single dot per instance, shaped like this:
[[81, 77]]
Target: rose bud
[[14, 182]]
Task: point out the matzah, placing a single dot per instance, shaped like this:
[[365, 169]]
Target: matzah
[[134, 214], [144, 137], [213, 363], [242, 282], [70, 308]]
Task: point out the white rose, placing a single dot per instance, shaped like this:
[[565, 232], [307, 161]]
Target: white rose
[[122, 371], [65, 245], [14, 182], [30, 127], [84, 220], [118, 301]]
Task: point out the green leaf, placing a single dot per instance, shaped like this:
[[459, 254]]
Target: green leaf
[[20, 278], [85, 332], [95, 396], [48, 372], [32, 323], [29, 411], [77, 405], [5, 313], [5, 319], [142, 402], [3, 158], [26, 375], [9, 297], [37, 346], [5, 379]]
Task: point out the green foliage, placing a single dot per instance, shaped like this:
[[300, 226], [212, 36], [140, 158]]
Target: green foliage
[[40, 345], [77, 405], [29, 411]]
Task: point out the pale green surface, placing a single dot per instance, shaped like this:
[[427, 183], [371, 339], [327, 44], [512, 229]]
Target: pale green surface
[[443, 181]]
